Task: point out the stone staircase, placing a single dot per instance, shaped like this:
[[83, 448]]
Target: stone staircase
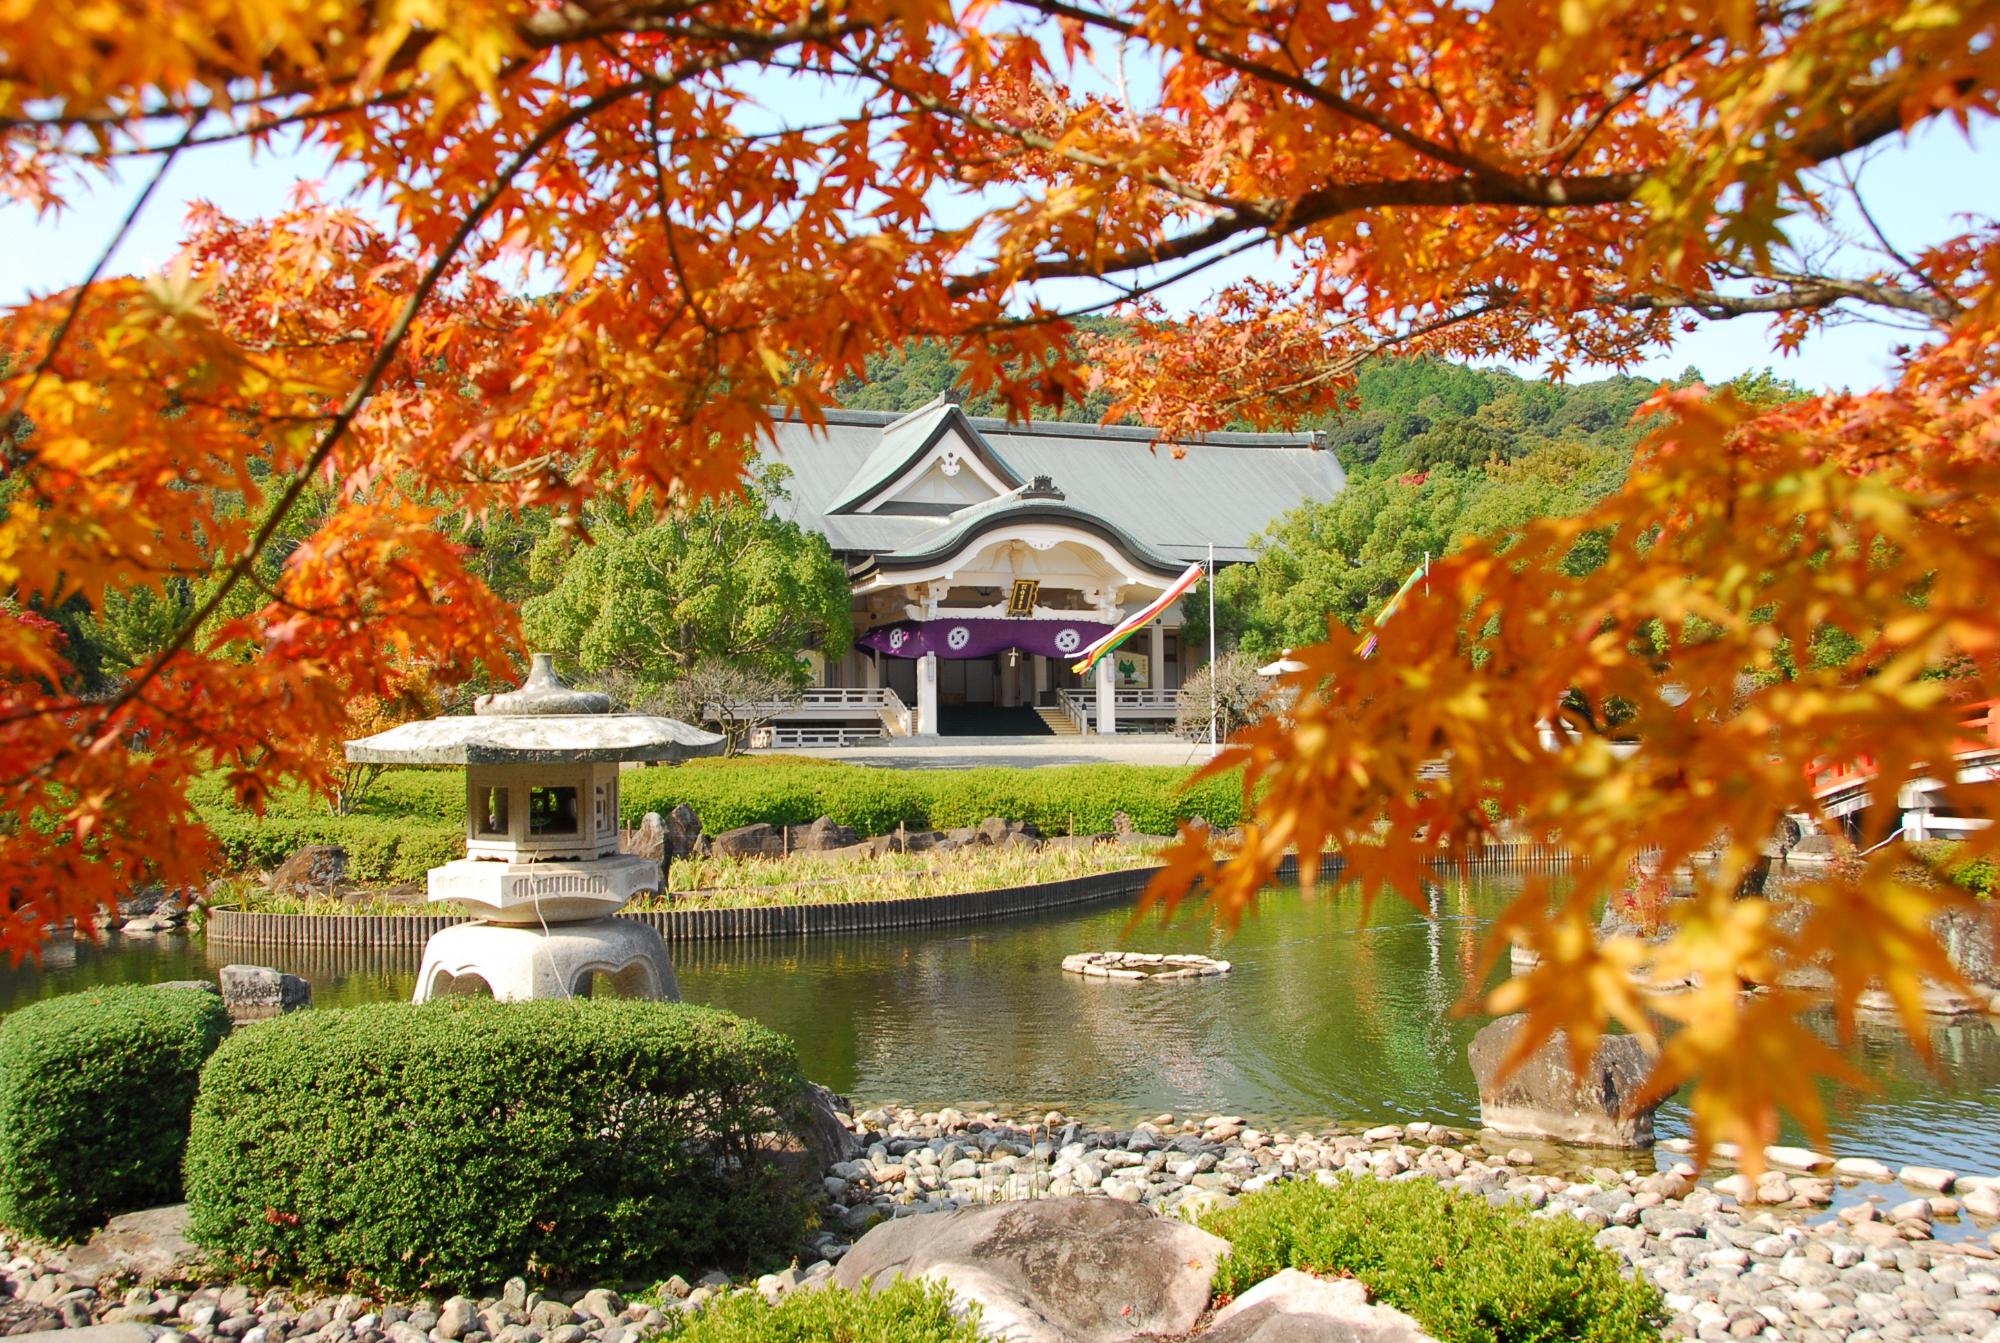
[[1058, 721]]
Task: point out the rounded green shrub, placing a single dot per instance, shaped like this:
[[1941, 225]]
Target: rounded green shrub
[[1467, 1271], [95, 1094], [455, 1144]]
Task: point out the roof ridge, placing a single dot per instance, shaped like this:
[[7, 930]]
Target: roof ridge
[[887, 420]]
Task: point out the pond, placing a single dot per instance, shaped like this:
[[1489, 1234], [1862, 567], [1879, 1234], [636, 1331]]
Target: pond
[[1323, 1018]]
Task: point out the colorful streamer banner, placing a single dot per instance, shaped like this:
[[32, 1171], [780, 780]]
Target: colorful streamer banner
[[1103, 647], [1372, 641]]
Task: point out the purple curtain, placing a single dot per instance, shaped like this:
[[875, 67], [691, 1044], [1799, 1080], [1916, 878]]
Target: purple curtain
[[982, 638]]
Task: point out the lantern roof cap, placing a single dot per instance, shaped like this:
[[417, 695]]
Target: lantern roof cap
[[544, 722]]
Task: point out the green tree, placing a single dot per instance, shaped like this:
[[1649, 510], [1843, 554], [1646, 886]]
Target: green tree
[[655, 596]]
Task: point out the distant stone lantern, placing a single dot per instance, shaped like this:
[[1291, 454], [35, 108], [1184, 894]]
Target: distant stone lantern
[[542, 867]]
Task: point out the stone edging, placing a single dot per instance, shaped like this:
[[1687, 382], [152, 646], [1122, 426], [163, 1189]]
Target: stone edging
[[236, 927]]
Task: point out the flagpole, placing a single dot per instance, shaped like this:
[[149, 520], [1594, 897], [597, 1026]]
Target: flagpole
[[1213, 745]]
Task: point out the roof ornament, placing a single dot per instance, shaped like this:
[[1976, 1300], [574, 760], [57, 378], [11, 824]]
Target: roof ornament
[[953, 395], [542, 693], [1042, 487]]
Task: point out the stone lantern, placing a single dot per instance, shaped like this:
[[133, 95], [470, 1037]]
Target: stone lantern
[[541, 866]]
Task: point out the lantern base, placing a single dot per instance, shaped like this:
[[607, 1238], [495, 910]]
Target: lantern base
[[532, 894], [565, 960]]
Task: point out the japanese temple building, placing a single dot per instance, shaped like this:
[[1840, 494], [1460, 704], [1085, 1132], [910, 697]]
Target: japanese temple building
[[985, 555]]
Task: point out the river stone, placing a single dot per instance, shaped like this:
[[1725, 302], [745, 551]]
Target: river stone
[[1543, 1098], [255, 992], [1072, 1270], [1295, 1307]]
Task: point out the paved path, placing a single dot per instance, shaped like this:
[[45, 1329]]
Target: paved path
[[1020, 752]]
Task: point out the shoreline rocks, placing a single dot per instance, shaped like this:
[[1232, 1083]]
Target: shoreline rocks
[[1804, 1254]]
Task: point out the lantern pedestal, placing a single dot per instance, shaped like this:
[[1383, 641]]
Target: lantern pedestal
[[532, 894], [515, 963]]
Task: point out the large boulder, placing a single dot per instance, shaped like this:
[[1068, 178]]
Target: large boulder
[[1066, 1270], [747, 841], [1544, 1098], [683, 831], [1295, 1307], [313, 870], [257, 992], [649, 841], [907, 841], [821, 836]]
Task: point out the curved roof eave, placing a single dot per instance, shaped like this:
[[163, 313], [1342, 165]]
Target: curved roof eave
[[963, 532]]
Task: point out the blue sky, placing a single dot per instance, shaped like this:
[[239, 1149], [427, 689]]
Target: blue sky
[[1917, 190]]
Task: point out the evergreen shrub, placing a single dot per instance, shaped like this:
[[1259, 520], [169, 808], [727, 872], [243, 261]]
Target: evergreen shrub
[[1468, 1272], [95, 1094], [381, 850], [1061, 800], [455, 1144], [902, 1312]]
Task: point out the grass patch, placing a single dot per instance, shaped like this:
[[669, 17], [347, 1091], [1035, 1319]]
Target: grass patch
[[810, 879], [1465, 1270], [802, 879]]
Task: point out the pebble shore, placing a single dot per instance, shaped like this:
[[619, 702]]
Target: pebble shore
[[1911, 1254]]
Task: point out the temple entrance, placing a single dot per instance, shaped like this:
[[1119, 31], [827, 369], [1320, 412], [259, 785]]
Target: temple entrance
[[986, 720]]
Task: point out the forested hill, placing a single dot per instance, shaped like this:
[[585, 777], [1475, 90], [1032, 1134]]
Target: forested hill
[[1410, 414]]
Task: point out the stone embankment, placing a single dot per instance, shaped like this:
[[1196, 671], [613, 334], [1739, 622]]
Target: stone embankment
[[1735, 1260]]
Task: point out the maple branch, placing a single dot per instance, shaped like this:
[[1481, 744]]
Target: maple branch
[[1166, 182], [1353, 359], [1802, 293], [1298, 84], [392, 341], [75, 308]]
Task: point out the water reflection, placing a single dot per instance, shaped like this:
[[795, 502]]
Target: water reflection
[[1322, 1019]]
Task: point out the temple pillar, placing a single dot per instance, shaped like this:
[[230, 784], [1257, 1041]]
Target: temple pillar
[[1156, 655], [1107, 696], [872, 673], [927, 704], [1041, 681]]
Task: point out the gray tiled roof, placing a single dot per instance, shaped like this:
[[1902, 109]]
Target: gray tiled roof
[[1223, 490]]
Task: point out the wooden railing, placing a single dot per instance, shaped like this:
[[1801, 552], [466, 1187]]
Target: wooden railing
[[1138, 703], [794, 722]]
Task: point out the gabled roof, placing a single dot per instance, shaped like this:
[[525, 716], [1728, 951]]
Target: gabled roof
[[906, 442], [966, 527], [1220, 490]]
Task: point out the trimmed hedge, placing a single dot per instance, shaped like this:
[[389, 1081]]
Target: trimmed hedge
[[901, 1312], [381, 850], [1061, 800], [95, 1094], [414, 819], [1467, 1271], [455, 1144]]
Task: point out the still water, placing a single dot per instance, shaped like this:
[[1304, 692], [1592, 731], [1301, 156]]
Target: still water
[[1323, 1019]]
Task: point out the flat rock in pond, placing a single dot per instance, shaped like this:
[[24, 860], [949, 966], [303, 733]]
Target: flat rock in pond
[[1295, 1307], [1068, 1270]]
